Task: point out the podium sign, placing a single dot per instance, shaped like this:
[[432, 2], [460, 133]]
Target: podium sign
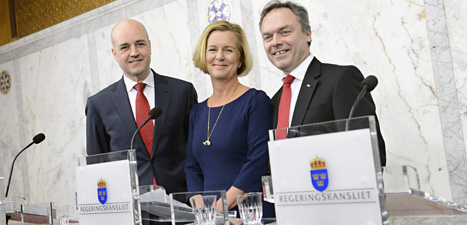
[[330, 178], [106, 191]]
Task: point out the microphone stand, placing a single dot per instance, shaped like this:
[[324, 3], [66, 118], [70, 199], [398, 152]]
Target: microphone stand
[[8, 217], [352, 110], [153, 114], [357, 100], [368, 84], [11, 170], [35, 140], [139, 128]]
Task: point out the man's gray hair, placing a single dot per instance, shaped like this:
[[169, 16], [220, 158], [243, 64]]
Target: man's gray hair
[[300, 12]]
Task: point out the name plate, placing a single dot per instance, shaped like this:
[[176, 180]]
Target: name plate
[[104, 193], [325, 179]]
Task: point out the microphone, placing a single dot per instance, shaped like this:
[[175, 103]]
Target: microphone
[[153, 114], [368, 84], [35, 140]]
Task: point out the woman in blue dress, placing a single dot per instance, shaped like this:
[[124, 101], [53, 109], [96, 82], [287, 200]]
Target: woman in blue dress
[[228, 132]]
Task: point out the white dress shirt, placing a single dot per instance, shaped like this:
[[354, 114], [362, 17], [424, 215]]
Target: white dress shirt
[[299, 74], [148, 92]]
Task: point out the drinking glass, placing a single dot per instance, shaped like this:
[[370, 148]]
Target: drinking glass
[[250, 206], [62, 213], [204, 208]]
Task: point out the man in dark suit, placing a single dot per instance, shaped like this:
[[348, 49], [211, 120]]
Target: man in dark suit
[[318, 92], [111, 113]]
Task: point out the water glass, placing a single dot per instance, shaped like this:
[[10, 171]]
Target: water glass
[[204, 208], [250, 206], [11, 204], [62, 213]]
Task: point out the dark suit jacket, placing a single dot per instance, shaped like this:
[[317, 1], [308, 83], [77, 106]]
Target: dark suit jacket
[[110, 125], [327, 93]]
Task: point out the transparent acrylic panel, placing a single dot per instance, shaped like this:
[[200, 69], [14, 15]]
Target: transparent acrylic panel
[[11, 208], [331, 129], [327, 127], [150, 193], [268, 191], [405, 198], [27, 213], [61, 214], [42, 213], [107, 157], [358, 123], [12, 204], [175, 207], [400, 179], [36, 213], [128, 155]]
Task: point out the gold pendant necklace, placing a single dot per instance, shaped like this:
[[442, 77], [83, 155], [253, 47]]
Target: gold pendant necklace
[[208, 142]]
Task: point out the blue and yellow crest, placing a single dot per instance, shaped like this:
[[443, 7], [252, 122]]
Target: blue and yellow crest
[[319, 174], [101, 191]]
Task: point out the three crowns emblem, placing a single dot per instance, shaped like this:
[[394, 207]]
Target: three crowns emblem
[[102, 191], [319, 174]]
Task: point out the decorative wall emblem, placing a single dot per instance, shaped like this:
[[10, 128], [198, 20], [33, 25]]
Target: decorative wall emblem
[[5, 82], [102, 191], [219, 10], [319, 174]]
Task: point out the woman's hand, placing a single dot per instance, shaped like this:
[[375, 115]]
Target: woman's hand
[[194, 196], [231, 199]]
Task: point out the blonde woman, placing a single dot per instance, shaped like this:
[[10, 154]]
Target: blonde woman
[[228, 132]]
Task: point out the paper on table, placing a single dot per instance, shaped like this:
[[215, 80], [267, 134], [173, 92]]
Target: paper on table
[[157, 195], [160, 196], [34, 209]]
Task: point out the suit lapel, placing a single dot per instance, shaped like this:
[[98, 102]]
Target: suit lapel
[[122, 106], [162, 99], [275, 107], [306, 92]]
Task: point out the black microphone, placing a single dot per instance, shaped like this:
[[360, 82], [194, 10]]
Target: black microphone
[[153, 114], [368, 84], [35, 140]]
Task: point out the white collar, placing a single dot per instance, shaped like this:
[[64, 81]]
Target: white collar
[[300, 71], [129, 84]]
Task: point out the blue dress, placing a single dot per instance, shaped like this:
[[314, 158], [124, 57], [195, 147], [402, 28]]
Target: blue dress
[[238, 155]]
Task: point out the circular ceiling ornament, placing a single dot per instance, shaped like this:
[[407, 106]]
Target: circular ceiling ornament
[[5, 82], [219, 10]]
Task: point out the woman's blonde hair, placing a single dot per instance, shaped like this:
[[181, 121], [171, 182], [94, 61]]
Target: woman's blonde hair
[[199, 56]]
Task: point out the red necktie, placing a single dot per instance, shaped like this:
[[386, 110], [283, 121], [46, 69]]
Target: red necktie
[[142, 113], [284, 108]]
